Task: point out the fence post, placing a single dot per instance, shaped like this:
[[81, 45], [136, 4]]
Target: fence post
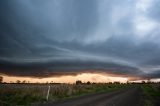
[[48, 93]]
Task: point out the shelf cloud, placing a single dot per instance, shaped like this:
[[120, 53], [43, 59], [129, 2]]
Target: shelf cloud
[[60, 37]]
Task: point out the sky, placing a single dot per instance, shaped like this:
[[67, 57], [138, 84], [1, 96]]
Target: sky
[[69, 37], [84, 77]]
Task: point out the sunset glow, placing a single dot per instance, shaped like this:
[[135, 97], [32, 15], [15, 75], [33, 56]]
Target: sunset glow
[[92, 77]]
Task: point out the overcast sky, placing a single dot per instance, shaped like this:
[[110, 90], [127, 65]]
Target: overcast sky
[[54, 37]]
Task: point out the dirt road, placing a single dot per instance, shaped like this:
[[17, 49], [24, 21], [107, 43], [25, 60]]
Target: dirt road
[[123, 97]]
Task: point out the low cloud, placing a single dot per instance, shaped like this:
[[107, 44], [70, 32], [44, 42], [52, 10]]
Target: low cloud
[[44, 38]]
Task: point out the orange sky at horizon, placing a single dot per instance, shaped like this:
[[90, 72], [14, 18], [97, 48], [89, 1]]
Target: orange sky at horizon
[[84, 77]]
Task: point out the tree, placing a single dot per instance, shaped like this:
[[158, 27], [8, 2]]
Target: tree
[[88, 82], [1, 79], [24, 81], [18, 81], [116, 82], [143, 82], [78, 82]]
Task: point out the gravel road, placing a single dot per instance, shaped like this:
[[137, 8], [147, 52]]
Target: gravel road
[[123, 97]]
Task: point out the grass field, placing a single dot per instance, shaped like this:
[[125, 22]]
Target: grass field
[[27, 94], [151, 94]]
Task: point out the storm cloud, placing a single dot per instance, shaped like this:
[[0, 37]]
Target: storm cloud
[[56, 37]]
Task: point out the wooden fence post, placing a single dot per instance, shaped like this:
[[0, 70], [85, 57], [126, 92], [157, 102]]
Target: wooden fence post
[[48, 93]]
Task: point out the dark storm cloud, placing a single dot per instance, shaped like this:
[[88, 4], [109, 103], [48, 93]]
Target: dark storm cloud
[[154, 11], [75, 67], [57, 37]]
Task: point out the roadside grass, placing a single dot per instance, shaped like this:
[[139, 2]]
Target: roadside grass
[[14, 97], [26, 94], [82, 90], [151, 94]]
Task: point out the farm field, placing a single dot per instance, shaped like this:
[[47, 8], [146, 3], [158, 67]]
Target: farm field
[[26, 94], [79, 95]]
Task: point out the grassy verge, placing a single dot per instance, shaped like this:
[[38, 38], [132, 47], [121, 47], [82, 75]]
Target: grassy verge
[[79, 91], [14, 97], [151, 94]]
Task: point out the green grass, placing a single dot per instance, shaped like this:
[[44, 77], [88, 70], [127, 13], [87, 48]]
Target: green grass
[[150, 93], [13, 97]]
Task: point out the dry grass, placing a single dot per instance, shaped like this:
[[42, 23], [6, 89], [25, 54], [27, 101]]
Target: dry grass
[[25, 94]]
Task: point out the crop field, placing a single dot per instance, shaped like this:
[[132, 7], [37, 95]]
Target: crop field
[[34, 94], [26, 94]]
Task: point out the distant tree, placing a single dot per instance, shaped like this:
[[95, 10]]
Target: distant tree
[[143, 82], [109, 82], [116, 82], [93, 83], [24, 81], [88, 82], [18, 81], [78, 82], [1, 79]]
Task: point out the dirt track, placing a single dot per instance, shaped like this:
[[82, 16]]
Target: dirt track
[[123, 97]]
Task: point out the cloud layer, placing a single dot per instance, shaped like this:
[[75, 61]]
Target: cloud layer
[[43, 38]]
